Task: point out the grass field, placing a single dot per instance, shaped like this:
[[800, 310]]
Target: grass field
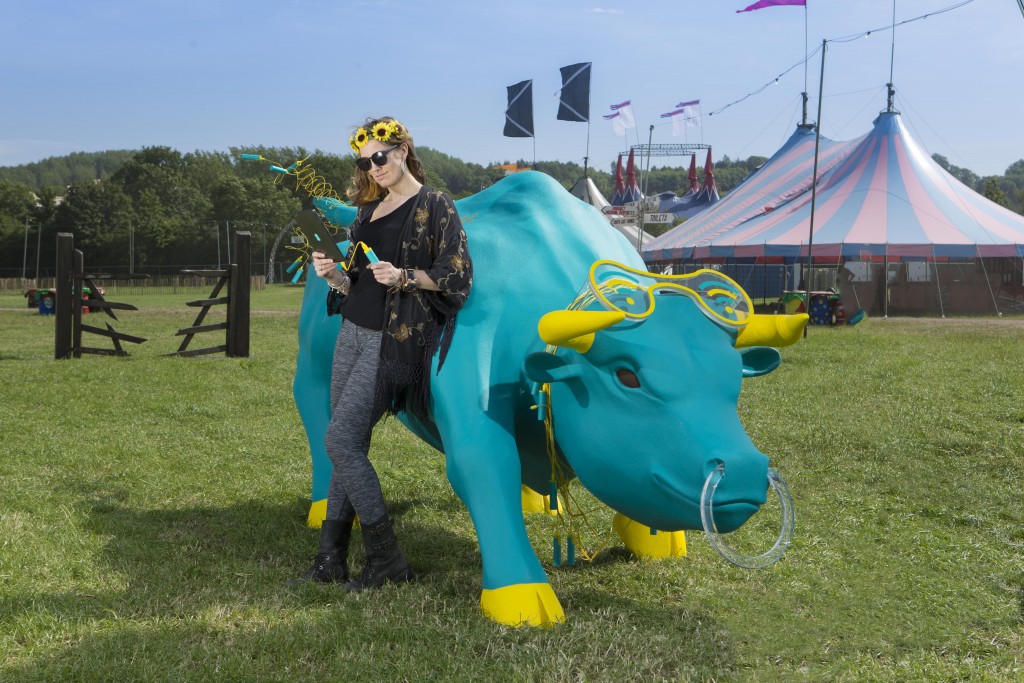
[[152, 509]]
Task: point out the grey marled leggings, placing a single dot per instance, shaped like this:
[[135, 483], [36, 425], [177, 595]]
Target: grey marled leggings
[[354, 483]]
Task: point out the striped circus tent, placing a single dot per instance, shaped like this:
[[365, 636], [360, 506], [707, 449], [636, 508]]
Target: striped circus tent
[[880, 197], [698, 199], [787, 174], [632, 188], [903, 234], [620, 187]]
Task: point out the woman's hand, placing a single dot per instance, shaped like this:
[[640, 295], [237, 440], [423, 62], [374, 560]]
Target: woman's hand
[[328, 270], [386, 274], [389, 276], [323, 265]]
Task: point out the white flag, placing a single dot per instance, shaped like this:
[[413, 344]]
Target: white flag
[[625, 111], [618, 126], [679, 121], [691, 111]]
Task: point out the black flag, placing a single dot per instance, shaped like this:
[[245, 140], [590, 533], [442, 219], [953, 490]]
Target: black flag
[[574, 98], [519, 113]]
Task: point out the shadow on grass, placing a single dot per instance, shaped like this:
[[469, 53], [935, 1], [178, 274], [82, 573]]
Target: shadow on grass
[[199, 593], [419, 638]]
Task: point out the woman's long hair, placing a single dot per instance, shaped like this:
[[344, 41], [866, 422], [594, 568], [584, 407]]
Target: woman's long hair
[[364, 189]]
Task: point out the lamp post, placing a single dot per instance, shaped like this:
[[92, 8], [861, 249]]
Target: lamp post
[[24, 258], [39, 246]]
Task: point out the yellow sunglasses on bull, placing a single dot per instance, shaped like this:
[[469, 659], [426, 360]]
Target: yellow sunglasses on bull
[[618, 287]]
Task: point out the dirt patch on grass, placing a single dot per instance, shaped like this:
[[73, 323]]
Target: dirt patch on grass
[[954, 323]]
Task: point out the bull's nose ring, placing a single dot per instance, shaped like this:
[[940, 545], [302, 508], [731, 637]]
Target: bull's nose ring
[[707, 518]]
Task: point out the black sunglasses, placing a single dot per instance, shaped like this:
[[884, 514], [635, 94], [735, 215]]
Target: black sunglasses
[[378, 158]]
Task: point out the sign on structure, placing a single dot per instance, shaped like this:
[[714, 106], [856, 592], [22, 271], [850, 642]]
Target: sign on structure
[[620, 211], [659, 218]]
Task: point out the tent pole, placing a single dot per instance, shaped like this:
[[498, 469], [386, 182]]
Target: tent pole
[[938, 285], [991, 293], [835, 285], [856, 297], [814, 182], [885, 282], [764, 288]]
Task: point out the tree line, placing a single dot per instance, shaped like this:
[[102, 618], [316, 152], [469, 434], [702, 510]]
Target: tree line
[[175, 208]]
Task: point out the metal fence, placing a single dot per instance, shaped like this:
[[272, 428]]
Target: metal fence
[[181, 283], [971, 286]]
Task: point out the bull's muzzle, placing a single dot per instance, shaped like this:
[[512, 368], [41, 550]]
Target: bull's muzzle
[[707, 518]]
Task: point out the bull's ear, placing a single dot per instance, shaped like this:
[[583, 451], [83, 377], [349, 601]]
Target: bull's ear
[[759, 360], [544, 368]]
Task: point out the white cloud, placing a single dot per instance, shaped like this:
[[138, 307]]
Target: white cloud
[[603, 10]]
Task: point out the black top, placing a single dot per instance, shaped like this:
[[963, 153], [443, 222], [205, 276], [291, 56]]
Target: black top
[[365, 302], [420, 324]]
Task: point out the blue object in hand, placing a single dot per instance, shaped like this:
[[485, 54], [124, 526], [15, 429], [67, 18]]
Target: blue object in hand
[[370, 256]]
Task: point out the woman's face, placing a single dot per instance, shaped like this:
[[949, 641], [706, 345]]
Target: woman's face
[[391, 172]]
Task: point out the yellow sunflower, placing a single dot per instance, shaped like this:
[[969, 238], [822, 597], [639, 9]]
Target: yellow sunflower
[[358, 139], [383, 131]]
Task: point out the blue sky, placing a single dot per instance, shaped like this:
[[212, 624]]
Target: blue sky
[[89, 75]]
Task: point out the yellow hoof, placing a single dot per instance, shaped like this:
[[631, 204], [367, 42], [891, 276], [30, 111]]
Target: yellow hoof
[[523, 604], [536, 503], [642, 543], [317, 514]]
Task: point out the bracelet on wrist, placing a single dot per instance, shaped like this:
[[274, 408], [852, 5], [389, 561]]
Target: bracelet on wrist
[[409, 282], [338, 287]]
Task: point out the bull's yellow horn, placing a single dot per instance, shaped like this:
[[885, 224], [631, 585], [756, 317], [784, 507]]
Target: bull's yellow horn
[[772, 330], [575, 329]]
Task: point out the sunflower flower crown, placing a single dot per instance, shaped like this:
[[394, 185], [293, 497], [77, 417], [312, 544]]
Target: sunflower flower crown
[[381, 131]]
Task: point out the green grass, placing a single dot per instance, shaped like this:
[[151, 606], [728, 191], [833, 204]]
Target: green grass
[[152, 508]]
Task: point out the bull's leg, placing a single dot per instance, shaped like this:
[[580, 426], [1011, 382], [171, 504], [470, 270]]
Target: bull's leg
[[536, 503], [483, 468], [312, 387], [643, 543]]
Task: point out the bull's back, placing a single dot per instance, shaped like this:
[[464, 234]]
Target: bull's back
[[532, 245]]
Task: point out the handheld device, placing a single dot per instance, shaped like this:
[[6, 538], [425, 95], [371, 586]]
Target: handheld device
[[311, 224], [370, 256]]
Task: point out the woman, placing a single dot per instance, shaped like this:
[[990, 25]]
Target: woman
[[398, 312]]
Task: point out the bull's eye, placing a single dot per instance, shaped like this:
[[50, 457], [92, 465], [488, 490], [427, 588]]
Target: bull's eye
[[628, 378]]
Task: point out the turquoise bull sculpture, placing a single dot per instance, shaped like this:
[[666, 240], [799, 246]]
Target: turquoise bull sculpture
[[643, 385]]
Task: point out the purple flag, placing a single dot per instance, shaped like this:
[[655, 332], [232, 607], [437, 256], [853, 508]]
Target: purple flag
[[761, 4]]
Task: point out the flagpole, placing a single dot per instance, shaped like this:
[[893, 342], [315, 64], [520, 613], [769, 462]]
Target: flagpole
[[805, 53], [804, 93], [892, 58], [587, 155], [643, 199], [892, 54], [814, 184]]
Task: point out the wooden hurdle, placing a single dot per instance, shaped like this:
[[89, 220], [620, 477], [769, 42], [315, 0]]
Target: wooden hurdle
[[69, 303], [236, 278]]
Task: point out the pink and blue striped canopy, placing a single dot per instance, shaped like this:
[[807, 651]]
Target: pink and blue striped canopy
[[878, 196]]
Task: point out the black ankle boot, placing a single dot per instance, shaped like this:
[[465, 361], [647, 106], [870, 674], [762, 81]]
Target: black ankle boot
[[331, 562], [384, 560]]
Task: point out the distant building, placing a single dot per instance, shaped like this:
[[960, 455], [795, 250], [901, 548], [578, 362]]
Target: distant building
[[509, 169]]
